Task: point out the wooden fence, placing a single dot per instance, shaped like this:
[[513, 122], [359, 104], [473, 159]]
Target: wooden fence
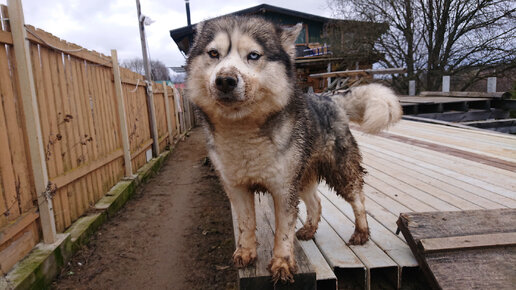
[[68, 105]]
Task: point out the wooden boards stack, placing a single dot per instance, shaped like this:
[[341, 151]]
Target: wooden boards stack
[[464, 250]]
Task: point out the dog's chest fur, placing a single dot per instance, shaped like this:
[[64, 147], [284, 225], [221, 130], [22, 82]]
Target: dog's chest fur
[[248, 157]]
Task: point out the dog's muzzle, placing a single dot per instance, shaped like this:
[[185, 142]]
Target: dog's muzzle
[[226, 85]]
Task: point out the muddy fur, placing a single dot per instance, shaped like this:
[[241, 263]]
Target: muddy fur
[[263, 135]]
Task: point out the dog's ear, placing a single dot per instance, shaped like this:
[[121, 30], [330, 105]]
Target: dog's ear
[[198, 31], [288, 37]]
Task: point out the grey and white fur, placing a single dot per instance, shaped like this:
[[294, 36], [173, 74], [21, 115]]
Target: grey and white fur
[[264, 135]]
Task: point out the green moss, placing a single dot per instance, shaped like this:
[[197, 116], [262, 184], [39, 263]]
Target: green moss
[[82, 229], [38, 269]]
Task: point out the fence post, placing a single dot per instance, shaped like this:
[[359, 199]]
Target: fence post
[[446, 84], [32, 121], [491, 85], [150, 96], [121, 114], [412, 88], [167, 112]]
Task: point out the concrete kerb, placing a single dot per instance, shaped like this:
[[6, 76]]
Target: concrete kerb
[[43, 263]]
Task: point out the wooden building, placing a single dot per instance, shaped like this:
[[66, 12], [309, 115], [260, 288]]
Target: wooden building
[[324, 44]]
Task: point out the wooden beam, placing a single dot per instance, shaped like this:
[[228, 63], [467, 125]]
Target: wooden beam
[[32, 120], [121, 114], [6, 37], [74, 174], [162, 138], [48, 40], [19, 248], [142, 148], [128, 81], [359, 72], [461, 94], [11, 230], [467, 242]]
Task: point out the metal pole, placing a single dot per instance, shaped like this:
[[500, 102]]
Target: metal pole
[[148, 78], [187, 4]]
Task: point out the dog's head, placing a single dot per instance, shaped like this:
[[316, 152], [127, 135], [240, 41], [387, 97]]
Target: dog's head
[[241, 67]]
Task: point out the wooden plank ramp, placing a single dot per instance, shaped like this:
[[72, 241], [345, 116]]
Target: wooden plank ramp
[[413, 167], [464, 250]]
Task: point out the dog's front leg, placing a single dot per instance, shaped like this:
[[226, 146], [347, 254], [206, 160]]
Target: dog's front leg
[[283, 264], [242, 201]]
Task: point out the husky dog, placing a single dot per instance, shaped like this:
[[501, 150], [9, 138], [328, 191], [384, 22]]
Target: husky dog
[[264, 135]]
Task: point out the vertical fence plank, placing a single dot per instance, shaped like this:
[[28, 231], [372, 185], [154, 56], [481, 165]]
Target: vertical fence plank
[[121, 114], [152, 119], [167, 112], [177, 110], [31, 114], [90, 106], [54, 146], [172, 112]]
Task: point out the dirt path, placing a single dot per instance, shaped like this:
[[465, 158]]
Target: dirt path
[[175, 233]]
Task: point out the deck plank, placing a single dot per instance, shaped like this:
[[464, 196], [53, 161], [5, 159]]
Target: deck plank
[[457, 142], [257, 276], [326, 279], [324, 275], [455, 170], [459, 164], [413, 165], [486, 199], [485, 268], [389, 242], [483, 136], [441, 190], [346, 265]]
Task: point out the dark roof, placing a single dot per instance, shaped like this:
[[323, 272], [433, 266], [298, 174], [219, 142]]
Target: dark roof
[[269, 8], [183, 36]]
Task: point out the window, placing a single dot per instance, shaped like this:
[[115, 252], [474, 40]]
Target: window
[[302, 39]]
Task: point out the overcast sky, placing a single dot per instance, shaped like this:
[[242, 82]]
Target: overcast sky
[[102, 25]]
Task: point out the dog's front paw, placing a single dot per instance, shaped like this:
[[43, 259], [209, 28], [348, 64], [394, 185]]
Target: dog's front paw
[[359, 237], [282, 268], [306, 233], [243, 257]]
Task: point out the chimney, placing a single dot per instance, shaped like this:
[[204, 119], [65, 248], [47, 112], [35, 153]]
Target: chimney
[[187, 4]]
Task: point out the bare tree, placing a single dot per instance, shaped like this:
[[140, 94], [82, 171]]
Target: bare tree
[[159, 72], [431, 38]]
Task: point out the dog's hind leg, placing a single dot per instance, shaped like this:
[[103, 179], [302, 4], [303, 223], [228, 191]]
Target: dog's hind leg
[[350, 187], [242, 201], [283, 264], [313, 211], [361, 233]]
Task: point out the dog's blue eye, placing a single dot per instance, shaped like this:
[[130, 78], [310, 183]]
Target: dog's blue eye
[[213, 53], [253, 56]]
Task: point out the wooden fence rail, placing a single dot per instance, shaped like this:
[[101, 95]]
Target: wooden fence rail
[[86, 116]]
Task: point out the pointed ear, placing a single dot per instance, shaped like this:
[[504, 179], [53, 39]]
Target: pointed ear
[[288, 38], [198, 30]]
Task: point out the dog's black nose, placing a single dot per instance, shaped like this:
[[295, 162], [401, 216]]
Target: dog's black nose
[[226, 84]]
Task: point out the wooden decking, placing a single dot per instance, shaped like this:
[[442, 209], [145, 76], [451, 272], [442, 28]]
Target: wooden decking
[[455, 108], [413, 167]]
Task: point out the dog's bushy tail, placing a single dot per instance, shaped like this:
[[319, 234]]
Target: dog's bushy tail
[[374, 106]]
